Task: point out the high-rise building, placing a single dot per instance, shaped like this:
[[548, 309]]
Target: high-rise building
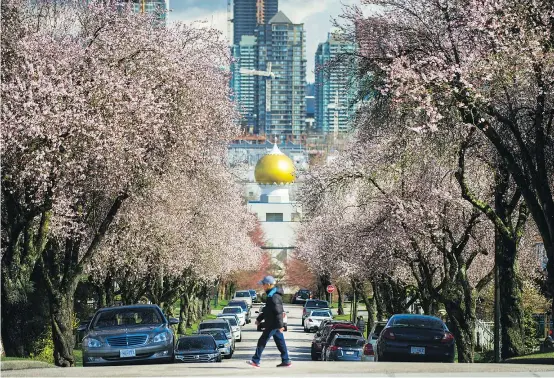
[[334, 91], [244, 85], [247, 14], [157, 7], [281, 106]]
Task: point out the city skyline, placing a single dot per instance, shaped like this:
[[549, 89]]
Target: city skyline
[[316, 16]]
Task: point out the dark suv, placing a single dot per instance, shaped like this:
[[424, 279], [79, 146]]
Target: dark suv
[[301, 296], [323, 338]]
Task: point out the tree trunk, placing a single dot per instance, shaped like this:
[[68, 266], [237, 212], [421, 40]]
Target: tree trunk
[[61, 317], [462, 326], [511, 306], [183, 315], [340, 309]]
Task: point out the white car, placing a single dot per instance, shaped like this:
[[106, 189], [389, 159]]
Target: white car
[[314, 319], [244, 295], [235, 310], [235, 325]]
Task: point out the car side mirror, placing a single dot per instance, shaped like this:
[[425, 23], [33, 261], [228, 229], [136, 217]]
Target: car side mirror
[[173, 321]]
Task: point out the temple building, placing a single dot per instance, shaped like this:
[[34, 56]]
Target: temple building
[[279, 217]]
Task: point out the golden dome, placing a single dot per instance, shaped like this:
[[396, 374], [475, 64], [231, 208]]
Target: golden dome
[[274, 168]]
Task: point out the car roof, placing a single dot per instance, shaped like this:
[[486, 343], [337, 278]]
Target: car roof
[[232, 307], [194, 336], [238, 301], [129, 307], [241, 291], [214, 321], [414, 316]]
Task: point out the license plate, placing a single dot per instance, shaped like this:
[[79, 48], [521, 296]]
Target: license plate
[[417, 350], [123, 353], [349, 353]]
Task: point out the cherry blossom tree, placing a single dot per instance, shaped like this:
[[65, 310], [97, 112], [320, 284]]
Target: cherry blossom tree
[[484, 65], [99, 105]]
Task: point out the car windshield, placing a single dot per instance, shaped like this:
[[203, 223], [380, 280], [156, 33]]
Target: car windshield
[[378, 328], [344, 332], [321, 313], [349, 342], [232, 310], [240, 304], [318, 304], [196, 343], [252, 292], [220, 325], [233, 321], [127, 317], [418, 322], [242, 294], [216, 333]]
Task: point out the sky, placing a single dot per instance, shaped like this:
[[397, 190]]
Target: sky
[[316, 15]]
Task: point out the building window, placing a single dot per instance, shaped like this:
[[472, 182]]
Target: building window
[[274, 217]]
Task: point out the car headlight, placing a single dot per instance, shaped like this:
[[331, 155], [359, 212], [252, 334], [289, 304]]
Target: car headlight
[[213, 355], [92, 343], [160, 337]]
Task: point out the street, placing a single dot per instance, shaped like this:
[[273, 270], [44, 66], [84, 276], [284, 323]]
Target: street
[[298, 344]]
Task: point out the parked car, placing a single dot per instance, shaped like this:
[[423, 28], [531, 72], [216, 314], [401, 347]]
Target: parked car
[[301, 296], [314, 319], [197, 348], [369, 353], [261, 326], [243, 295], [235, 325], [326, 334], [223, 345], [313, 304], [219, 324], [237, 311], [128, 334], [410, 337], [345, 348], [253, 295], [245, 307], [375, 332]]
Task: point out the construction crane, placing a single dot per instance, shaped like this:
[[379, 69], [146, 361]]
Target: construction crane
[[267, 74], [230, 21]]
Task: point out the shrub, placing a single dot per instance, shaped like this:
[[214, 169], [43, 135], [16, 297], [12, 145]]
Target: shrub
[[43, 348]]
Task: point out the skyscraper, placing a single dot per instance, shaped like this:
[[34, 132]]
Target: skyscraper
[[333, 90], [247, 14], [244, 85], [281, 106]]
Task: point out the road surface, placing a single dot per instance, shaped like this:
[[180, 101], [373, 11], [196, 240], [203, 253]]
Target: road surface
[[298, 343]]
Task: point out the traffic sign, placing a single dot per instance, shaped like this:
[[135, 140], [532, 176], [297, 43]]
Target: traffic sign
[[330, 289]]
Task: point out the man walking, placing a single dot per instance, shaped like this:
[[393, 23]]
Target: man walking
[[361, 325], [272, 315]]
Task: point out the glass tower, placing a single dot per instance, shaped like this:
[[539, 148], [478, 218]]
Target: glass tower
[[281, 106], [334, 91], [248, 14]]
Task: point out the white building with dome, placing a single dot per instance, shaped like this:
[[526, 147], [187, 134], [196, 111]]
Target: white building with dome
[[279, 217]]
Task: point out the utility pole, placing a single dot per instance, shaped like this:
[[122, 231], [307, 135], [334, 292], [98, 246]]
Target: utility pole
[[497, 325]]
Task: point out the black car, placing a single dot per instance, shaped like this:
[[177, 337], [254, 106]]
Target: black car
[[415, 338], [301, 296], [198, 348]]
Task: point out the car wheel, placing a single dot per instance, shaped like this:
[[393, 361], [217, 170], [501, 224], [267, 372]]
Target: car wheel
[[314, 355], [228, 356], [240, 338], [286, 328]]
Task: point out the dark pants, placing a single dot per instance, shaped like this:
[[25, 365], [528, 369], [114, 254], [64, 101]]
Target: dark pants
[[279, 341]]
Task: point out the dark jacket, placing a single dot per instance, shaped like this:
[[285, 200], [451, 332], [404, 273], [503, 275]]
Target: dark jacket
[[272, 313]]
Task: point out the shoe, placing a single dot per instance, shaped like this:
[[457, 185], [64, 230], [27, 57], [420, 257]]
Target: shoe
[[253, 364], [285, 364]]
